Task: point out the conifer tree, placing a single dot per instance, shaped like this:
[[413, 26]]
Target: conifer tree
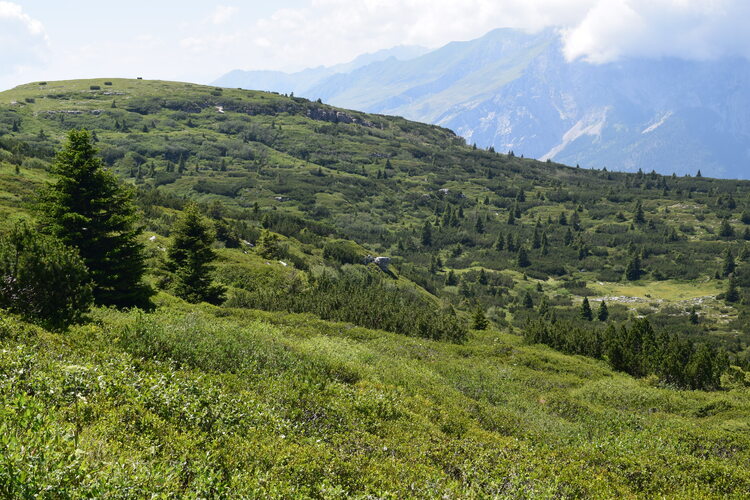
[[479, 225], [545, 244], [725, 229], [482, 278], [586, 312], [729, 265], [732, 294], [510, 244], [602, 314], [427, 234], [528, 301], [500, 242], [568, 238], [633, 269], [41, 279], [516, 210], [190, 257], [479, 320], [522, 258], [638, 216], [450, 278], [536, 240], [88, 209], [544, 307]]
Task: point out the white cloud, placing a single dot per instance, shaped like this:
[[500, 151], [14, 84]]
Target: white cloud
[[223, 14], [23, 40], [691, 29], [13, 12], [331, 31], [218, 37]]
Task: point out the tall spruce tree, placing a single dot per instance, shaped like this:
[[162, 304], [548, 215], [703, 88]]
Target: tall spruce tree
[[190, 257], [89, 209]]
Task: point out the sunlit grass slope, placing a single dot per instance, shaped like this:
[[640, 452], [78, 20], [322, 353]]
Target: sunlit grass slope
[[200, 401]]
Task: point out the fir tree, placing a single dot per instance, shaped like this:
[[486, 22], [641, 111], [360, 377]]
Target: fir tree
[[602, 314], [482, 278], [528, 301], [638, 216], [479, 320], [450, 279], [633, 269], [427, 234], [536, 240], [479, 225], [732, 294], [568, 238], [522, 257], [725, 229], [545, 244], [729, 265], [500, 242], [190, 257], [544, 307], [88, 209], [510, 243], [586, 312]]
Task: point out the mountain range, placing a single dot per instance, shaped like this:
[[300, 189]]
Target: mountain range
[[515, 91]]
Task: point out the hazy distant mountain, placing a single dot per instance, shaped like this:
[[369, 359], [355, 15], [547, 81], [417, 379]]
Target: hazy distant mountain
[[300, 82], [515, 91]]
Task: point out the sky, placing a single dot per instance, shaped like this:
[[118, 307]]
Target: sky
[[199, 41]]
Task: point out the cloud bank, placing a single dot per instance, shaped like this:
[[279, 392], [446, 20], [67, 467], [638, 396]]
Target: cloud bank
[[198, 41], [596, 31]]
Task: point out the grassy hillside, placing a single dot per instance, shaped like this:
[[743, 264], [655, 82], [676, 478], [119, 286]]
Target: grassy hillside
[[325, 376], [290, 164], [205, 401]]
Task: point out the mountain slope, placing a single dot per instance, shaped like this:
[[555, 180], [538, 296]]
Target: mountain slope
[[269, 396], [302, 81], [515, 91]]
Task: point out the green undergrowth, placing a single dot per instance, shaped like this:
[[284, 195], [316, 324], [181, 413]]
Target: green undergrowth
[[201, 401]]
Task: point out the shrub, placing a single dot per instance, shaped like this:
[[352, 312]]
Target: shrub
[[94, 87], [41, 279], [343, 252]]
